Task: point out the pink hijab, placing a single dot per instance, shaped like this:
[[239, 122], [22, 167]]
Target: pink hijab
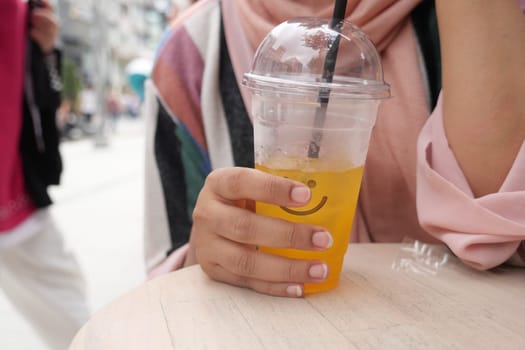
[[387, 207], [14, 203]]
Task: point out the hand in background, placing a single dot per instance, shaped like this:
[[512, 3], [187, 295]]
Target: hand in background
[[44, 28]]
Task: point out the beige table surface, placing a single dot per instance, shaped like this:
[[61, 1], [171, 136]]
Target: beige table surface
[[374, 307]]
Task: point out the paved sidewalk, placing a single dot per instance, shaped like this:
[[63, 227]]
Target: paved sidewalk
[[98, 207]]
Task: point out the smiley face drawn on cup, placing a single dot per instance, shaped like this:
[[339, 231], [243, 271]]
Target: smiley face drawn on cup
[[311, 184]]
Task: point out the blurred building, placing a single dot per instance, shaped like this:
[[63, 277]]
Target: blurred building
[[102, 36]]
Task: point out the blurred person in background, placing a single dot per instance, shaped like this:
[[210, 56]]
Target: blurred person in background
[[130, 103], [38, 274], [113, 107], [88, 102]]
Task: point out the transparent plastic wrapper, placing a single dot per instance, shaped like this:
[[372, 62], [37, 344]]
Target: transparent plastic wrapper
[[420, 258]]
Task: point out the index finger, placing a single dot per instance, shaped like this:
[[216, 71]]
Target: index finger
[[245, 183]]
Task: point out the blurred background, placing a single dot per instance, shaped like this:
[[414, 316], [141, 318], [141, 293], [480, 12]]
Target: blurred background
[[108, 49]]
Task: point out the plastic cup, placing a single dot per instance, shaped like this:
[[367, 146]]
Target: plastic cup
[[293, 107]]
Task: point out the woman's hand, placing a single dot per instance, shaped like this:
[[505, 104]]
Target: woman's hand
[[226, 232], [44, 28]]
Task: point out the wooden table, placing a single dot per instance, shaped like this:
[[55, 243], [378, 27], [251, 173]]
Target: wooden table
[[374, 307]]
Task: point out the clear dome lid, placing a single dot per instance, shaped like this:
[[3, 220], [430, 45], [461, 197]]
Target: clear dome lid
[[295, 58]]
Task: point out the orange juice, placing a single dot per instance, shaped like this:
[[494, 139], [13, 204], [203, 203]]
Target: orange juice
[[332, 206]]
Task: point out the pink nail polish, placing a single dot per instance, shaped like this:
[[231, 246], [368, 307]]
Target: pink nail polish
[[322, 239], [294, 291], [319, 272], [300, 194]]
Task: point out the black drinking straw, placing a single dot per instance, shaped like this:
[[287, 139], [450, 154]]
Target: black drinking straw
[[328, 74]]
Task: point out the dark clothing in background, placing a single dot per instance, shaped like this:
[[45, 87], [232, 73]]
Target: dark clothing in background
[[41, 167]]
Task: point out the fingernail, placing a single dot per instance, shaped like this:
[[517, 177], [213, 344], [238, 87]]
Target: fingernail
[[294, 291], [322, 239], [300, 194], [319, 272]]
